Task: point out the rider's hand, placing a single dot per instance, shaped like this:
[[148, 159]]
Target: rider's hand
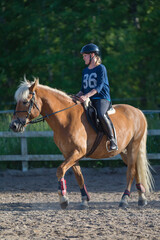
[[75, 98], [82, 98]]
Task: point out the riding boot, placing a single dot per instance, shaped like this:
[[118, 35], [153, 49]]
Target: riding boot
[[107, 127]]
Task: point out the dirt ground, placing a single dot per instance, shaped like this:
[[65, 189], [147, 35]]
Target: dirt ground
[[29, 207]]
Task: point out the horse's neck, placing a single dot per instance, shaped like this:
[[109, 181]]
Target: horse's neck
[[51, 98], [52, 101]]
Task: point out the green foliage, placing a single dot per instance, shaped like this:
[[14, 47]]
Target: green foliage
[[44, 38]]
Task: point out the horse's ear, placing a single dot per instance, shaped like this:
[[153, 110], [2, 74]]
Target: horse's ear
[[34, 85]]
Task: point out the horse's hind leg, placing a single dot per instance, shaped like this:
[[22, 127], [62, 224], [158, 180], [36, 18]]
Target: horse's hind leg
[[142, 201], [130, 159], [126, 194], [79, 177]]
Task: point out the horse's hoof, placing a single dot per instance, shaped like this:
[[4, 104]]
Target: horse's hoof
[[65, 204], [142, 202], [84, 205], [64, 201], [123, 204]]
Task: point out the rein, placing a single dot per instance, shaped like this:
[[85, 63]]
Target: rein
[[48, 115], [33, 103]]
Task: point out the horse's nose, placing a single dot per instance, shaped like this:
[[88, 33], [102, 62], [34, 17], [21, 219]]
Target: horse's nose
[[16, 126], [13, 126]]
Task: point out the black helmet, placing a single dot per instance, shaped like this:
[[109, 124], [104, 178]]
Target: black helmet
[[90, 48]]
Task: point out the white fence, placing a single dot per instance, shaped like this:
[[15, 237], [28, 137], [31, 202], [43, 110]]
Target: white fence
[[25, 157]]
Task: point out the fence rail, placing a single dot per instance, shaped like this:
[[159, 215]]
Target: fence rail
[[25, 157], [144, 111]]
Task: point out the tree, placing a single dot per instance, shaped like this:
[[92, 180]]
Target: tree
[[43, 38]]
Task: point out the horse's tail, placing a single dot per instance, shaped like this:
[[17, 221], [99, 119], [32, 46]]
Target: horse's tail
[[143, 165]]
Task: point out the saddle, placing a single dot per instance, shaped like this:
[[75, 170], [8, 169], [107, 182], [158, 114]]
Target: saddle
[[92, 118]]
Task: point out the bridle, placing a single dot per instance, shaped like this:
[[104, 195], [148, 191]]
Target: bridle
[[32, 103]]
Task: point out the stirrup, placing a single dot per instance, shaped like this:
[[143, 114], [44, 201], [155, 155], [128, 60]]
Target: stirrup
[[111, 150]]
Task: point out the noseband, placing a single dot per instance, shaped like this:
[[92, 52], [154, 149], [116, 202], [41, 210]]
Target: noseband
[[31, 104]]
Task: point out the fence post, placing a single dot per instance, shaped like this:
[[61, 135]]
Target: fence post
[[24, 152]]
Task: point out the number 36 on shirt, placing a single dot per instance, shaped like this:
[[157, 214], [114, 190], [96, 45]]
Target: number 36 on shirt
[[89, 80]]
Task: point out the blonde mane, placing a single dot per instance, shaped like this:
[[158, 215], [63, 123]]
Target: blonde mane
[[23, 90]]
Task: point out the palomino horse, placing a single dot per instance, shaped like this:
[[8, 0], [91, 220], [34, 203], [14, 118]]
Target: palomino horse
[[75, 137]]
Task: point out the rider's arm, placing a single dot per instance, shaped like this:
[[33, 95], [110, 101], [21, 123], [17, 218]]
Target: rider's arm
[[80, 93], [87, 95], [91, 93]]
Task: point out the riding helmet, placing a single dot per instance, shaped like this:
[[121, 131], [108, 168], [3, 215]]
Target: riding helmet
[[90, 48]]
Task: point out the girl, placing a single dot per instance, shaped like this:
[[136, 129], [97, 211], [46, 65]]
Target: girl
[[95, 86]]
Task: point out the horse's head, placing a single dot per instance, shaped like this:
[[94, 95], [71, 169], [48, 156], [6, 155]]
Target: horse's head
[[28, 105]]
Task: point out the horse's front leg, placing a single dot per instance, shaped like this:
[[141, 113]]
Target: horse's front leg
[[79, 177], [62, 193], [62, 187]]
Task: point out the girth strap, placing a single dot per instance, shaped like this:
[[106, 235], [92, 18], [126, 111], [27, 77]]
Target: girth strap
[[96, 143]]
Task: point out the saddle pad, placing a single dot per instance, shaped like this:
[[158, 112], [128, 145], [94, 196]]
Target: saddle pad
[[111, 111]]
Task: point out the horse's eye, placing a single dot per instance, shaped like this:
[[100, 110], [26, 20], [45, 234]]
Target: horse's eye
[[25, 102]]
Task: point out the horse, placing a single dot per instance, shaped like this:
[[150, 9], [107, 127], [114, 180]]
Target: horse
[[75, 137]]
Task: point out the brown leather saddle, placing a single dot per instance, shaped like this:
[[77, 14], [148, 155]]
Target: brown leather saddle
[[92, 118]]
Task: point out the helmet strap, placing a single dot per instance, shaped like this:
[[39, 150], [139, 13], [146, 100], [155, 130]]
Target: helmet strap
[[90, 59]]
